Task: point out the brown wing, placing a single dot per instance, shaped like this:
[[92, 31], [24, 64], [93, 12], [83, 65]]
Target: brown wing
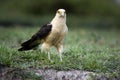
[[33, 42]]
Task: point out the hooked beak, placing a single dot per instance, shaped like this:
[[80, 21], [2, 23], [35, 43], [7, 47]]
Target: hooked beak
[[62, 14]]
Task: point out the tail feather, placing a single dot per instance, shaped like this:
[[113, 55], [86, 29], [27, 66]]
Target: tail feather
[[24, 48], [26, 43], [30, 44]]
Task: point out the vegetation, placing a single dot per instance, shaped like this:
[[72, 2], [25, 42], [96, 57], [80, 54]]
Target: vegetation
[[82, 7], [93, 42], [28, 11], [85, 49]]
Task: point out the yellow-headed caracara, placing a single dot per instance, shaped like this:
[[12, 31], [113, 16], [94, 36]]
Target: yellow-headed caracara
[[51, 34]]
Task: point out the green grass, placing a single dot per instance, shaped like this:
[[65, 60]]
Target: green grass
[[84, 49]]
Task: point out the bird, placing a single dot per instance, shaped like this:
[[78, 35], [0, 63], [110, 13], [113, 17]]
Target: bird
[[51, 34]]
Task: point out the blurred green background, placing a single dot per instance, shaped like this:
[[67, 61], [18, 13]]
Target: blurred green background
[[80, 13], [93, 42]]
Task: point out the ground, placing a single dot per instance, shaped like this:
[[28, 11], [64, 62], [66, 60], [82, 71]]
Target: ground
[[86, 49]]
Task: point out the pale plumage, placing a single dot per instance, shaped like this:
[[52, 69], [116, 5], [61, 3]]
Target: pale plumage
[[49, 35]]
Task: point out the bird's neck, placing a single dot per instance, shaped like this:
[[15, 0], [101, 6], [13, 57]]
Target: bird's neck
[[58, 19]]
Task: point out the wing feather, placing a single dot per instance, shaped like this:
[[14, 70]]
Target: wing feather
[[43, 32], [34, 41]]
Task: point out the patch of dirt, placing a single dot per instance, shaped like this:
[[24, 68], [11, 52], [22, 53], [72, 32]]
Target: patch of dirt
[[50, 74]]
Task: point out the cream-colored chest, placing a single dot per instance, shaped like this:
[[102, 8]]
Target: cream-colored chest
[[57, 34]]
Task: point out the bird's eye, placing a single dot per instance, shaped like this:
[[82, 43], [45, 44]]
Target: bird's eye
[[58, 11]]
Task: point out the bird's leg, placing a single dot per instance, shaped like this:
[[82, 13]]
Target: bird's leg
[[49, 55], [60, 50], [45, 47]]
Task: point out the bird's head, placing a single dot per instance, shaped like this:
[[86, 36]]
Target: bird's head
[[61, 13]]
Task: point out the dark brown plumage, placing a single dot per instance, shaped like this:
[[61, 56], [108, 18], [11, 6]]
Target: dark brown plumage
[[36, 38]]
